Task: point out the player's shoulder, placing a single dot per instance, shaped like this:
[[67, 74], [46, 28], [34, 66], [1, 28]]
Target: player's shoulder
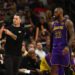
[[69, 21]]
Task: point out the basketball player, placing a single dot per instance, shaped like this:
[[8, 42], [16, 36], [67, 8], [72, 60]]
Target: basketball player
[[60, 52]]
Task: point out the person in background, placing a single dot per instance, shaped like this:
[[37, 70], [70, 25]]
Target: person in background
[[47, 47], [39, 50], [42, 30], [30, 64], [49, 16], [24, 51], [31, 45], [72, 65]]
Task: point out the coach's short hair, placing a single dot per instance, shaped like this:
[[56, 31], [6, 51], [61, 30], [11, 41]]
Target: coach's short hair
[[17, 14]]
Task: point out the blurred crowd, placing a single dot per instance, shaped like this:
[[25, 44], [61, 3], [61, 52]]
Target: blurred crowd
[[36, 47], [33, 13]]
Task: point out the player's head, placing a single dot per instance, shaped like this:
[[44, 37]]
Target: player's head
[[16, 19], [58, 12]]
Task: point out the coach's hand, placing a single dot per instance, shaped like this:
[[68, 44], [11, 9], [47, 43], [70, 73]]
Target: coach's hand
[[65, 51], [2, 28], [7, 32], [10, 34]]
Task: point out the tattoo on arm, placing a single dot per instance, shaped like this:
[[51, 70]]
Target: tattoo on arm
[[14, 36], [71, 30]]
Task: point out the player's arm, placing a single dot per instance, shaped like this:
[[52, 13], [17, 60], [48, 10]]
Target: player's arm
[[10, 34], [70, 28]]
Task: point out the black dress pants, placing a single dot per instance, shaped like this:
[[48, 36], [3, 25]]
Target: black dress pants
[[12, 64]]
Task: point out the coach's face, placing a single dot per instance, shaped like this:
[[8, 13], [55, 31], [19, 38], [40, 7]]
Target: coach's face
[[16, 20]]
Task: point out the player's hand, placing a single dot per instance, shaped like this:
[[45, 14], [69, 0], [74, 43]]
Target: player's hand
[[65, 51], [8, 32]]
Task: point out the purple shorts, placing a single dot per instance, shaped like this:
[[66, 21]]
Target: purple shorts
[[59, 59]]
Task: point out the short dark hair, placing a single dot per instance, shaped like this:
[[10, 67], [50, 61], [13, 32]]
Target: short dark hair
[[17, 14]]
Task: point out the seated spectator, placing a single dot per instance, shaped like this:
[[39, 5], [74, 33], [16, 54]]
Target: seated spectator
[[73, 63], [73, 45], [39, 51], [24, 51], [30, 64], [31, 45], [47, 47], [2, 52]]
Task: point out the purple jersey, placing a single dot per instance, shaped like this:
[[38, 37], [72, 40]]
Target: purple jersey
[[59, 36], [59, 43]]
